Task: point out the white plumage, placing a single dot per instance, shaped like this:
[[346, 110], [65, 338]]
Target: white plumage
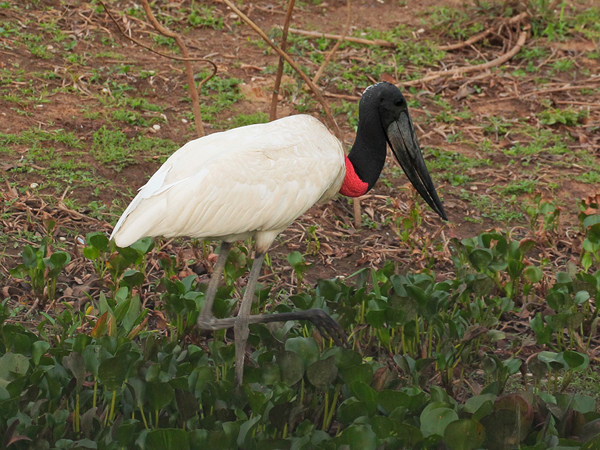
[[249, 181], [254, 181]]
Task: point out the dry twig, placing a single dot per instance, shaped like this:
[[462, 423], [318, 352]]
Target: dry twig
[[335, 47], [466, 69], [277, 84], [186, 59], [483, 34], [291, 62], [316, 34]]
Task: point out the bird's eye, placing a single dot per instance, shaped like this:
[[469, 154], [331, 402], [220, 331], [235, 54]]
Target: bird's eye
[[398, 103]]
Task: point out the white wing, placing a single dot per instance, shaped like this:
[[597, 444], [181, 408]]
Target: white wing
[[232, 185]]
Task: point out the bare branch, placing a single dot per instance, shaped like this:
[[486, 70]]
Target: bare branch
[[462, 70], [291, 62], [186, 59], [277, 84], [335, 47]]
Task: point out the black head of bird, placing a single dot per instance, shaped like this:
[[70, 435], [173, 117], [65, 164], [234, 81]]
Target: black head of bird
[[383, 118]]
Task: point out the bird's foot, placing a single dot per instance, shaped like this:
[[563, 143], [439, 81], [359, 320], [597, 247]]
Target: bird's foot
[[212, 323], [328, 327]]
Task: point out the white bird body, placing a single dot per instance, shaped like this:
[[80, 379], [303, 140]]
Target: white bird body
[[254, 181], [245, 182]]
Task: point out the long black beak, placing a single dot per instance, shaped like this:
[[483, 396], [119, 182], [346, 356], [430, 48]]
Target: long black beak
[[403, 140]]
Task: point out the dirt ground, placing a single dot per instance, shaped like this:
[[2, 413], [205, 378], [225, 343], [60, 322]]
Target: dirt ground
[[66, 69]]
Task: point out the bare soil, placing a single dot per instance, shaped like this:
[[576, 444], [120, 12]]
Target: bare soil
[[77, 104]]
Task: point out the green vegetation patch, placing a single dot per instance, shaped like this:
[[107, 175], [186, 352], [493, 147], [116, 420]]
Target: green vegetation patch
[[115, 149]]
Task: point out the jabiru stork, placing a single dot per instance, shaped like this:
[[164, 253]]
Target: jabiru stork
[[254, 181]]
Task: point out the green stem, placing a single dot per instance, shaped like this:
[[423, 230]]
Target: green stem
[[77, 413], [325, 409], [112, 405], [143, 417], [336, 394]]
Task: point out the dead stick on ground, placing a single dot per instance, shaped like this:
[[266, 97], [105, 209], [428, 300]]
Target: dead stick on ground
[[291, 62], [187, 64], [462, 70], [277, 85], [317, 34], [483, 34], [186, 59], [336, 46]]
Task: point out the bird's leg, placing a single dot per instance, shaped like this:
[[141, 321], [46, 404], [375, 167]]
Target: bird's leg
[[240, 327], [206, 318]]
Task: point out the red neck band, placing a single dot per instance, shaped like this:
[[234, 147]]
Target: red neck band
[[353, 186]]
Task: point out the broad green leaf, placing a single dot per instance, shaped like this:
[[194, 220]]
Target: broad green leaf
[[576, 361], [359, 437], [480, 258], [113, 371], [98, 240], [464, 434], [435, 417], [533, 274], [292, 367], [246, 431], [322, 374], [167, 438], [75, 363], [38, 350], [306, 348], [159, 395], [12, 366]]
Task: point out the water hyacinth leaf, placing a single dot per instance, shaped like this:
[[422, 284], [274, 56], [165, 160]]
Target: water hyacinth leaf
[[390, 400], [592, 444], [187, 404], [91, 253], [480, 258], [576, 361], [12, 366], [113, 371], [365, 394], [533, 274], [361, 372], [589, 431], [291, 366], [409, 435], [510, 422], [581, 297], [126, 432], [38, 350], [132, 277], [322, 374], [306, 348], [344, 357], [167, 438], [144, 245], [279, 415], [382, 426], [359, 437], [525, 245], [464, 434], [270, 373], [246, 431], [435, 418], [92, 356], [473, 404], [159, 395], [98, 240], [75, 363], [351, 409], [554, 360]]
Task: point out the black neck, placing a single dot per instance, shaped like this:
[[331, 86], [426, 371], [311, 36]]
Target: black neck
[[369, 150]]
